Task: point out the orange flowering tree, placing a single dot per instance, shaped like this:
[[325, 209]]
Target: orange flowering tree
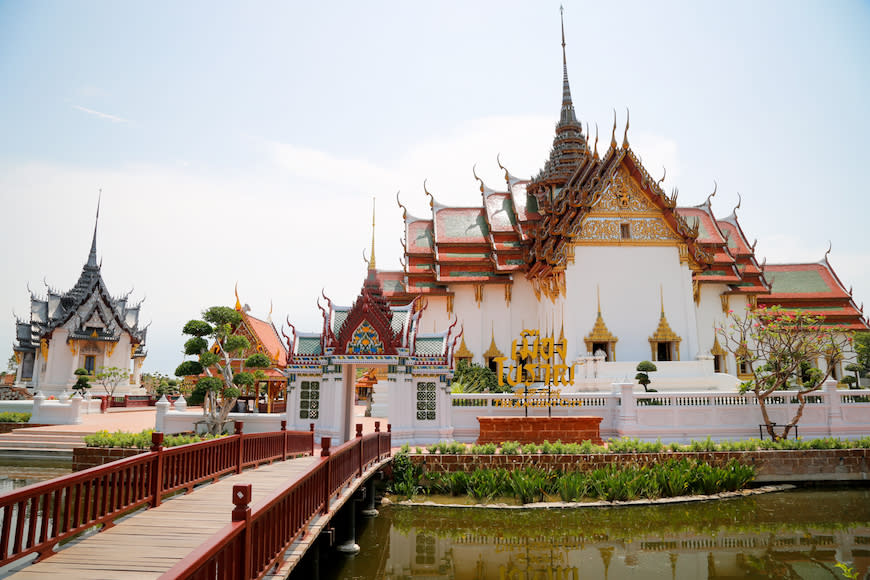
[[781, 349]]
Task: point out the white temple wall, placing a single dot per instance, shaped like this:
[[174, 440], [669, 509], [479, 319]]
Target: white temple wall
[[633, 281], [710, 316]]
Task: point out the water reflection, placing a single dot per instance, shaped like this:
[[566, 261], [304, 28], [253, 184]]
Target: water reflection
[[15, 476], [798, 534]]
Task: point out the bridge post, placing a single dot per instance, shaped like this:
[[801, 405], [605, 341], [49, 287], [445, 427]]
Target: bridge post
[[157, 473], [284, 449], [311, 428], [242, 513], [359, 447], [347, 527], [324, 457], [378, 431], [370, 511], [239, 426]]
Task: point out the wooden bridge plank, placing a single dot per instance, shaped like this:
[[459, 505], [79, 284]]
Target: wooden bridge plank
[[150, 542]]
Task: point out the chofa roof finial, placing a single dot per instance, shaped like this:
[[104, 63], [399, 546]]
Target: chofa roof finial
[[613, 144], [404, 209], [715, 189], [474, 172], [431, 198], [625, 135]]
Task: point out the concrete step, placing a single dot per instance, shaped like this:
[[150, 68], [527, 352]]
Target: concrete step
[[36, 455], [40, 437], [41, 445]]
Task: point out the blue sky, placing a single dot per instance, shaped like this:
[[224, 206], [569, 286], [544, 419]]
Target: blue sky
[[244, 142]]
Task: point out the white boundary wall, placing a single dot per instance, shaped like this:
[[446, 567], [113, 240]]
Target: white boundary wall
[[681, 416]]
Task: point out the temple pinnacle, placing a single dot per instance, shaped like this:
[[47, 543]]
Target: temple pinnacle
[[567, 116], [92, 257], [372, 259]]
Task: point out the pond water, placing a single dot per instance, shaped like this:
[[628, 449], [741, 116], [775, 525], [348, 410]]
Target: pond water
[[801, 533], [13, 476]]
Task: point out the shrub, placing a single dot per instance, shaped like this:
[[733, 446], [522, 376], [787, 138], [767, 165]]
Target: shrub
[[141, 440], [510, 448], [11, 417]]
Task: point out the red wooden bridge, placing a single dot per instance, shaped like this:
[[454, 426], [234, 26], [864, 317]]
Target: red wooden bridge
[[267, 498]]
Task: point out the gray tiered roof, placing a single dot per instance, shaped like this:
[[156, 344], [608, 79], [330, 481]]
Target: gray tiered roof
[[87, 310]]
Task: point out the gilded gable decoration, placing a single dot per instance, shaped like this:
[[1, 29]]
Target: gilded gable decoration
[[725, 302], [463, 353], [493, 351], [449, 304], [600, 334], [717, 349], [664, 335]]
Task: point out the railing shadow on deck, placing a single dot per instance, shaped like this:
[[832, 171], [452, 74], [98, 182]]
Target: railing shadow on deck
[[36, 518], [257, 538]]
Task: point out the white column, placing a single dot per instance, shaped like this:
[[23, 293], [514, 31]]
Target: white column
[[834, 404], [627, 417]]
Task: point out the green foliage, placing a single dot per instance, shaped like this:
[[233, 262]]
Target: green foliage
[[80, 372], [530, 449], [222, 316], [189, 368], [195, 346], [850, 381], [234, 344], [847, 571], [10, 417], [406, 476], [141, 440], [644, 367], [258, 360], [197, 328], [473, 378], [243, 379], [484, 449], [110, 377], [861, 344], [510, 448], [82, 380]]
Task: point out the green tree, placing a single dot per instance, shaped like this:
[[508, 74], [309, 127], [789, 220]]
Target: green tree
[[473, 378], [217, 393], [862, 349], [645, 367], [83, 381], [853, 368], [110, 378], [12, 363], [779, 348]]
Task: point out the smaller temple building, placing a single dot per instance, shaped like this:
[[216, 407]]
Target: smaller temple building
[[84, 327], [384, 340]]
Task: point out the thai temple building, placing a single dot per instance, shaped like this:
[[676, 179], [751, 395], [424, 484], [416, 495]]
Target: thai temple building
[[591, 253], [264, 339], [84, 327]]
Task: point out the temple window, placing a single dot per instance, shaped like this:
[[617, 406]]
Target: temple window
[[600, 338], [625, 231], [492, 353], [426, 401], [664, 343], [90, 363], [309, 400], [718, 355]]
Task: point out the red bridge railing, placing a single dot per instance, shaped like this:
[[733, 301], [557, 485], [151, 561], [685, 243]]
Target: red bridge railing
[[35, 518], [257, 538]]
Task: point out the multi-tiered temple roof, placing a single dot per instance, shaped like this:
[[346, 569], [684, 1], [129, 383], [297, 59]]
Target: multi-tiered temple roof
[[530, 226], [87, 310]]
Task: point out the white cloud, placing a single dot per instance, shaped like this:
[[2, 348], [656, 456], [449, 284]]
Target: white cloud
[[112, 118]]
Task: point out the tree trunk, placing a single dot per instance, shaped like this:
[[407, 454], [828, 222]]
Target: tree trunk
[[762, 402]]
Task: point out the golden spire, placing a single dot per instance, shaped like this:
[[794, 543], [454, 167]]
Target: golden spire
[[492, 351], [662, 298], [238, 302], [372, 260]]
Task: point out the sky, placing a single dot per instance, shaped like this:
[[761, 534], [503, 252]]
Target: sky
[[244, 142]]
